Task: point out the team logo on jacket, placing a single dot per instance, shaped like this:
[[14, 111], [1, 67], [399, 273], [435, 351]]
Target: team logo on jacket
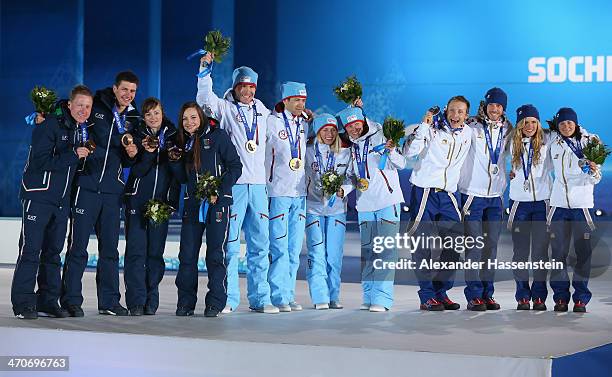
[[132, 212], [206, 143], [64, 137], [282, 134], [315, 166], [32, 217], [99, 116], [79, 211], [219, 216]]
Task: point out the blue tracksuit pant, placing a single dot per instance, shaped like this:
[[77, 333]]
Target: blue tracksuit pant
[[434, 209], [377, 284], [527, 222], [325, 242], [287, 222], [249, 212], [43, 231]]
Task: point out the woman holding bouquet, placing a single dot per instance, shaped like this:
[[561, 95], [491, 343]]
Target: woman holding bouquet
[[151, 195], [203, 150], [530, 185], [571, 201], [326, 167], [378, 198]]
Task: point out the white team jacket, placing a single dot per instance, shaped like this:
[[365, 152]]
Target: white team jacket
[[227, 114], [316, 203], [476, 178], [540, 175], [441, 153], [281, 180], [384, 188], [572, 188]]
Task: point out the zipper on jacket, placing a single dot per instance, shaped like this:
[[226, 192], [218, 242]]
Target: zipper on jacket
[[564, 179], [108, 143], [272, 166], [449, 157], [156, 174], [67, 179], [386, 181], [489, 163]]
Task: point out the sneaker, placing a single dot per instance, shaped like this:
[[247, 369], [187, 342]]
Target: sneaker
[[476, 305], [211, 312], [182, 311], [364, 306], [148, 310], [137, 311], [336, 305], [450, 304], [27, 313], [538, 304], [491, 304], [523, 304], [284, 308], [295, 307], [378, 309], [227, 310], [323, 306], [267, 309], [54, 312], [560, 306], [579, 307], [75, 311], [117, 310], [432, 305]]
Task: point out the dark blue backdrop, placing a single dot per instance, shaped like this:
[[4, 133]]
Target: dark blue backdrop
[[408, 55]]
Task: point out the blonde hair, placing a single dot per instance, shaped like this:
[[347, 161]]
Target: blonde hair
[[517, 144], [335, 145]]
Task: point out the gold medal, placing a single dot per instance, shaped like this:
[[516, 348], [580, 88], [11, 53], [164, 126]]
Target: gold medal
[[295, 164], [362, 184], [127, 139], [251, 146]]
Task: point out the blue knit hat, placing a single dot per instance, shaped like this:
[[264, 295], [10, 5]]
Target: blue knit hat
[[350, 115], [566, 113], [496, 95], [527, 111], [244, 75], [293, 89], [323, 120]]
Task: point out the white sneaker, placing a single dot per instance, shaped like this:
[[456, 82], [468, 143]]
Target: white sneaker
[[227, 310], [364, 307], [336, 305], [323, 306], [378, 308], [284, 308], [267, 309], [295, 306]]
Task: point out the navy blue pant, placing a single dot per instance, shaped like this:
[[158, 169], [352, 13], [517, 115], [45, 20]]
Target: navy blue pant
[[482, 220], [527, 222], [102, 212], [433, 209], [43, 231], [565, 224], [216, 226], [144, 264]]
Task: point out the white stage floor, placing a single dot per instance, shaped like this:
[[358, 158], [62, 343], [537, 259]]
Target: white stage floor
[[310, 342]]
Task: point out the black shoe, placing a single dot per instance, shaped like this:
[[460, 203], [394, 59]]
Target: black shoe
[[137, 311], [477, 305], [75, 311], [149, 310], [184, 312], [491, 304], [538, 304], [450, 304], [432, 305], [561, 306], [579, 307], [117, 310], [211, 311], [27, 313], [54, 312], [523, 304]]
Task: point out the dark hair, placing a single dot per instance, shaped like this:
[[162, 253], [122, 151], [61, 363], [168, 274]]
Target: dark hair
[[149, 104], [82, 90], [460, 99], [128, 76], [182, 138]]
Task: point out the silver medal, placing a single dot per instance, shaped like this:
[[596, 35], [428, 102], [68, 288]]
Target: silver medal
[[494, 169], [526, 185]]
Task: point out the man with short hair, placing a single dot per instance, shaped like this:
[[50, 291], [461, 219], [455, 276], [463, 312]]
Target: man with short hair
[[98, 197], [56, 147]]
